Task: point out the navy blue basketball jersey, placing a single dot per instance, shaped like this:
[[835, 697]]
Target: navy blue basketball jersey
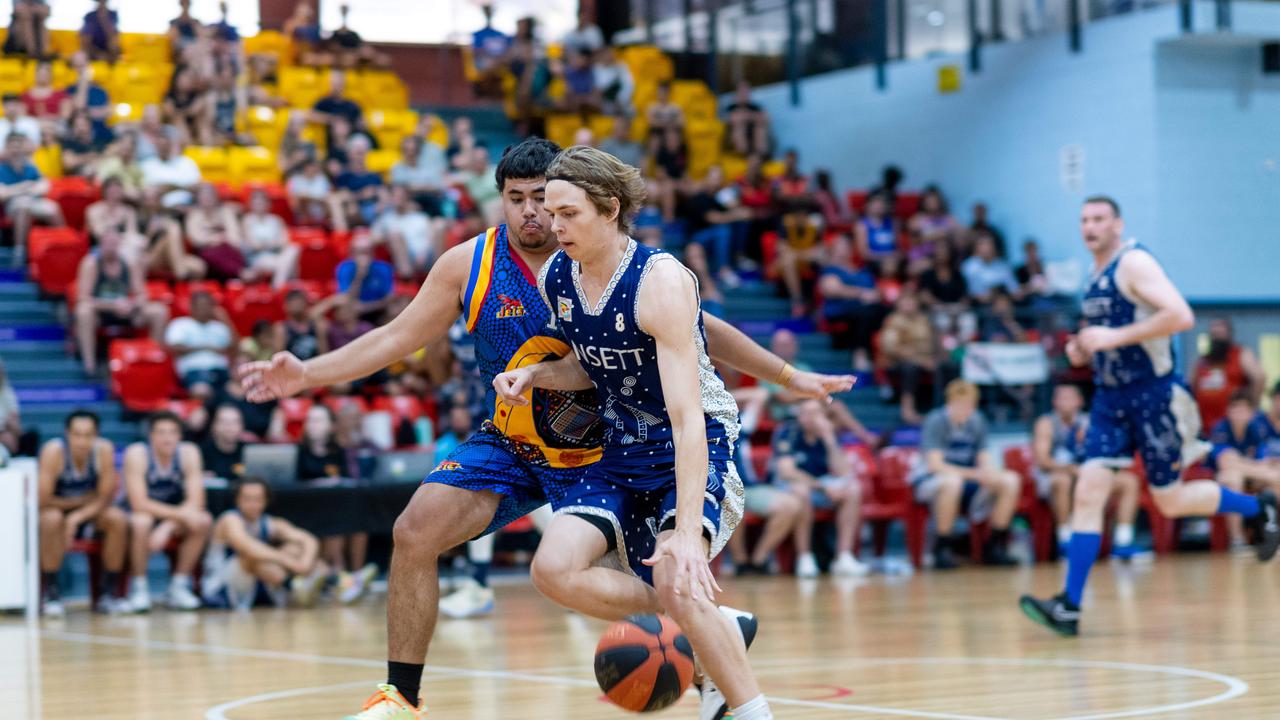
[[621, 359], [1105, 304], [166, 485], [1068, 439], [507, 323], [73, 483]]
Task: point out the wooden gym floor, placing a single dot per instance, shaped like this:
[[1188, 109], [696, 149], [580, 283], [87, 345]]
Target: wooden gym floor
[[1185, 637]]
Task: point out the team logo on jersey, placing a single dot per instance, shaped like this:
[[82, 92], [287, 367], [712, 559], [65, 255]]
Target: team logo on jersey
[[511, 307], [448, 465], [564, 308]]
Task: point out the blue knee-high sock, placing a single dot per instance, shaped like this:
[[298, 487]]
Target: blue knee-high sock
[[1081, 554], [1231, 501], [480, 571]]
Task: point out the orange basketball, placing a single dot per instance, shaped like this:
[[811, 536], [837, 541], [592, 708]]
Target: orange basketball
[[644, 663]]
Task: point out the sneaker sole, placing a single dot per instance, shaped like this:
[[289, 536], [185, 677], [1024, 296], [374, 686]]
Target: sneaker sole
[[1032, 612]]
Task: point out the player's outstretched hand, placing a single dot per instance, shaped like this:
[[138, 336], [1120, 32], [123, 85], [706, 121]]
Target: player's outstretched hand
[[281, 376], [819, 386], [693, 577], [1075, 354], [512, 386]]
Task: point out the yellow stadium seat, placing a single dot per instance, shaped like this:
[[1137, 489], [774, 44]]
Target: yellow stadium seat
[[266, 124], [381, 161], [143, 83], [704, 138], [734, 166], [378, 89], [252, 164], [270, 42], [48, 160], [561, 127], [145, 48], [648, 62], [13, 75], [601, 126], [439, 134], [314, 133], [125, 112], [101, 72], [469, 65], [64, 42], [302, 86], [390, 126], [213, 162], [774, 169]]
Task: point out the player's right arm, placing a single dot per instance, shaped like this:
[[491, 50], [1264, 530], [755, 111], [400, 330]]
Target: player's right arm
[[51, 461], [232, 529], [1142, 278], [565, 373], [426, 320]]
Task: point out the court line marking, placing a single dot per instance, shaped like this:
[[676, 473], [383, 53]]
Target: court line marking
[[1235, 686]]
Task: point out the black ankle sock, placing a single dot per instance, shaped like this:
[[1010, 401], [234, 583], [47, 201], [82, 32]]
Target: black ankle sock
[[50, 581], [110, 581], [999, 538], [407, 677]]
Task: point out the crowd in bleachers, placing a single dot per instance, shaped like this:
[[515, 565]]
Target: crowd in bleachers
[[203, 199]]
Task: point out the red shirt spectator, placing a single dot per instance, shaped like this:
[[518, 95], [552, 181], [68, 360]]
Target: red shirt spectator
[[42, 100], [1224, 370]]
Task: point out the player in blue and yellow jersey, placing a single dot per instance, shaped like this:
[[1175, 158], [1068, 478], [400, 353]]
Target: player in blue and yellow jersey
[[1141, 406], [522, 453]]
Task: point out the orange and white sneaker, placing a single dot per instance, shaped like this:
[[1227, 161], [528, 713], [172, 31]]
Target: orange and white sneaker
[[386, 703]]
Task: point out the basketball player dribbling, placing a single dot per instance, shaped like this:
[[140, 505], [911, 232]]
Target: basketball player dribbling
[[665, 497], [522, 453], [1141, 405]]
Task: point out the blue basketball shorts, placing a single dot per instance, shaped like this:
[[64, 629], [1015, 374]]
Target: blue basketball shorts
[[631, 519], [1157, 419], [489, 460]]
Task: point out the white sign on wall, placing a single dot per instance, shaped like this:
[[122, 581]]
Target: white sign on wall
[[1071, 168]]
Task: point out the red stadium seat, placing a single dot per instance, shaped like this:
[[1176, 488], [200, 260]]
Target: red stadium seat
[[335, 402], [74, 195], [54, 270], [894, 500], [295, 411], [251, 303], [1019, 458], [857, 200], [279, 198], [401, 407], [160, 291], [317, 257], [142, 374], [908, 205], [183, 408]]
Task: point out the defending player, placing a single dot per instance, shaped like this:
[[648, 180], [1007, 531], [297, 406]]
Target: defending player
[[666, 496], [500, 474], [1141, 405]]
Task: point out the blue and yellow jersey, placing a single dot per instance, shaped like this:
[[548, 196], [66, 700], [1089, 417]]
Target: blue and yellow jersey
[[508, 320]]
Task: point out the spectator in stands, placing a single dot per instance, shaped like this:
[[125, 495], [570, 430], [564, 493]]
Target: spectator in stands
[[349, 49], [890, 177], [714, 219], [263, 422], [877, 232], [166, 251], [262, 343], [149, 128], [100, 33], [347, 323], [44, 102], [226, 102], [615, 84], [748, 124], [526, 61], [909, 350], [1032, 281], [23, 190], [670, 163], [200, 344], [663, 115], [223, 30], [955, 471], [184, 30], [27, 34], [164, 491], [312, 198], [17, 121], [586, 37], [13, 439], [1000, 324], [175, 175], [120, 162], [931, 226], [113, 214], [1238, 440], [488, 50], [781, 511], [111, 292], [421, 171], [214, 232], [620, 145], [812, 464], [321, 458], [361, 452], [187, 105], [982, 226], [1223, 370], [76, 490], [250, 550], [459, 426], [88, 97], [336, 106], [477, 179], [303, 335], [462, 139], [1270, 450], [799, 242], [82, 148], [1058, 449], [365, 280], [413, 239], [222, 452], [851, 300], [984, 272], [829, 204], [268, 252], [359, 187], [303, 28]]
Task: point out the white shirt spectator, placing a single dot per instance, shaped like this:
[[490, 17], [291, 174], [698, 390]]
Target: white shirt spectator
[[313, 188], [414, 227], [178, 170], [192, 333], [428, 171], [609, 74], [587, 39], [26, 126], [983, 277]]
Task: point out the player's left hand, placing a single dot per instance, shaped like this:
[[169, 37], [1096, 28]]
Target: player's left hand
[[1096, 338], [512, 386], [816, 385], [693, 576]]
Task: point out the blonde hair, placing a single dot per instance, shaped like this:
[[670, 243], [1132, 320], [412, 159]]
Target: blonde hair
[[603, 178], [961, 390]]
